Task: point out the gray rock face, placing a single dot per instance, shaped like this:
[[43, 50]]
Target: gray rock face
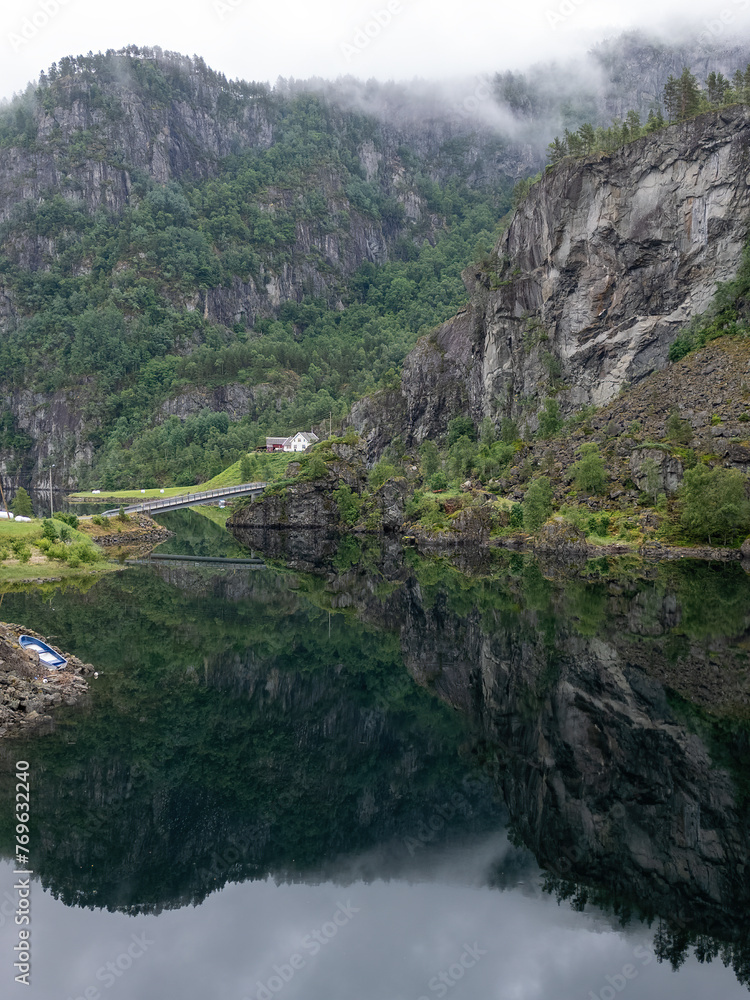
[[610, 257], [603, 264], [656, 471]]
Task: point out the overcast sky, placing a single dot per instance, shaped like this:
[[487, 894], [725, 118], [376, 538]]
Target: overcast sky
[[257, 40]]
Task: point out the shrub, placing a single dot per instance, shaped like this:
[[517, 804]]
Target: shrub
[[122, 515], [461, 427], [679, 430], [4, 554], [24, 553], [516, 516], [537, 504], [64, 533], [550, 421], [438, 481], [508, 430], [381, 473], [66, 518], [429, 458], [714, 504], [348, 503], [44, 544], [97, 519], [312, 467], [49, 529], [589, 473], [599, 526]]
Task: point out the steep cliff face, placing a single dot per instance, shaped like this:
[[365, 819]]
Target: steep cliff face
[[603, 264], [608, 258]]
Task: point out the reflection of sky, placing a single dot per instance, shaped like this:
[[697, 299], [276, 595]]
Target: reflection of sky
[[402, 936]]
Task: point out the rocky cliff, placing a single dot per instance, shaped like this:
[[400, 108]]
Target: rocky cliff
[[605, 261]]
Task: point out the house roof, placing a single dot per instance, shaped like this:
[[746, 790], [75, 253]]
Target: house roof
[[307, 435], [276, 440]]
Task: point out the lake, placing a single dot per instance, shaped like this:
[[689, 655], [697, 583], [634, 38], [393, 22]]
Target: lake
[[327, 769]]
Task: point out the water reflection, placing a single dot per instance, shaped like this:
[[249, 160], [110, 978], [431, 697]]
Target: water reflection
[[373, 715]]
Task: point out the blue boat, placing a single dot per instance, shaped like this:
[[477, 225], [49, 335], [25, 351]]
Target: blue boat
[[47, 655]]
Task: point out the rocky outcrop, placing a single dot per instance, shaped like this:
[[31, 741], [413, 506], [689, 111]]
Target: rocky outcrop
[[605, 261], [29, 690]]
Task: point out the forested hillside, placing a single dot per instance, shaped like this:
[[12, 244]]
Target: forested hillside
[[167, 234], [188, 263]]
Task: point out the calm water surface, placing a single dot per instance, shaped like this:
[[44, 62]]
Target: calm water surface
[[370, 775]]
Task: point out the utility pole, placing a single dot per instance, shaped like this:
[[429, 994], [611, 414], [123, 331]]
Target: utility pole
[[2, 494], [50, 490]]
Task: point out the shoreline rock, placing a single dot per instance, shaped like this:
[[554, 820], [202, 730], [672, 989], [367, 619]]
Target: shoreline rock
[[30, 691]]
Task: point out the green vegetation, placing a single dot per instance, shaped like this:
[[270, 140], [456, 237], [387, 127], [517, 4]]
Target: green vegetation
[[21, 505], [45, 548], [106, 313], [537, 504], [714, 504], [682, 99], [727, 314], [589, 472]]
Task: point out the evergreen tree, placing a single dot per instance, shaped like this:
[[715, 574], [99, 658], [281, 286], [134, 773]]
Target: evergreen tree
[[672, 98], [557, 150], [633, 121], [21, 505], [588, 137]]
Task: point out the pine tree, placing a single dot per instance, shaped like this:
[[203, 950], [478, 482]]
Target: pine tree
[[672, 98], [21, 505], [690, 95], [717, 86], [573, 142], [633, 121], [588, 137], [557, 150]]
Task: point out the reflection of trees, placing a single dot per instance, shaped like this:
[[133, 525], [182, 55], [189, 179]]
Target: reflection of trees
[[234, 733]]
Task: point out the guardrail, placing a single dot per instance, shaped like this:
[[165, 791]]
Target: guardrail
[[187, 499]]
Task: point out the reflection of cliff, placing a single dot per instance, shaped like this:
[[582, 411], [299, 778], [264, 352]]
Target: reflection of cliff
[[602, 778], [270, 737], [594, 700]]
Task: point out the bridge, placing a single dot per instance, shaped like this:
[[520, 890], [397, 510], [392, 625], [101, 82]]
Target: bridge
[[161, 504], [153, 557]]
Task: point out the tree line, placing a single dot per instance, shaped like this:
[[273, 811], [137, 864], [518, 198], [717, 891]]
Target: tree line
[[683, 98]]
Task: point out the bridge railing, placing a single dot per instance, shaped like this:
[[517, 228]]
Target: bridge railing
[[187, 499]]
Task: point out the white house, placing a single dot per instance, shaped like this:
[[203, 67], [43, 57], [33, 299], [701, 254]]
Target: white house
[[300, 441], [295, 442]]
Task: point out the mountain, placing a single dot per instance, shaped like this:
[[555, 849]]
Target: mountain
[[188, 263], [604, 263], [161, 228]]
